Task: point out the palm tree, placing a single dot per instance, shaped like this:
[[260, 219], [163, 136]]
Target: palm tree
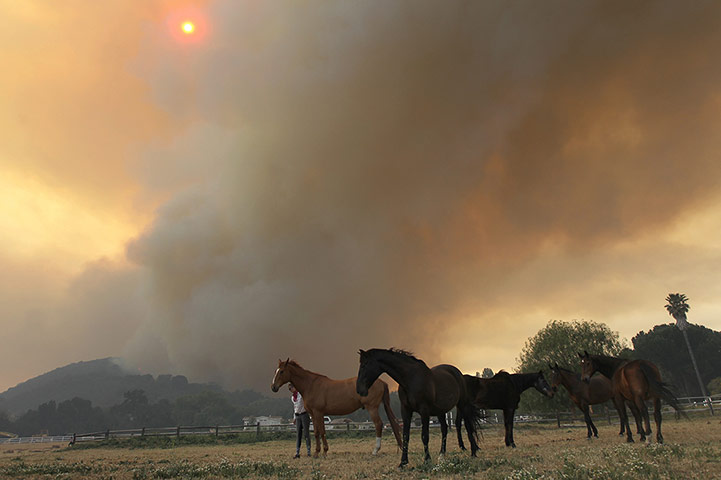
[[677, 307]]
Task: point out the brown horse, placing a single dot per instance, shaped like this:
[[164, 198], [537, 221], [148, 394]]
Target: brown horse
[[634, 381], [598, 390], [325, 396]]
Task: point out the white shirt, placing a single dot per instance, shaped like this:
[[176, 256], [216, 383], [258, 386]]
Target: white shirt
[[298, 405]]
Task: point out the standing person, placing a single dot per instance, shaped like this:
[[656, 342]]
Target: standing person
[[301, 420]]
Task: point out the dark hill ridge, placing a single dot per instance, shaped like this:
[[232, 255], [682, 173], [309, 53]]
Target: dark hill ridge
[[101, 381]]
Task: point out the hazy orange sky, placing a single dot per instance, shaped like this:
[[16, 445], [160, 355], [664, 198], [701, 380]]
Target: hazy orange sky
[[304, 179]]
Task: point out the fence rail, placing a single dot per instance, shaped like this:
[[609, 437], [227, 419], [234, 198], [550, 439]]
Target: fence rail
[[695, 405]]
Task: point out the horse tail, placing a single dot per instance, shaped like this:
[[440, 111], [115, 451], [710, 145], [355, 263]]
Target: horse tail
[[391, 417], [474, 417], [659, 388]]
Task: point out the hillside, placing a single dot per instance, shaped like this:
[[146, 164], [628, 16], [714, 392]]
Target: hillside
[[101, 381]]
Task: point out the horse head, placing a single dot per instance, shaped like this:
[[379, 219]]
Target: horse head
[[282, 375], [588, 366], [542, 385], [368, 371], [555, 376]]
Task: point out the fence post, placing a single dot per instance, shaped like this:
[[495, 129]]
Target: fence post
[[142, 432], [177, 432], [107, 434], [216, 430], [257, 430], [558, 418]]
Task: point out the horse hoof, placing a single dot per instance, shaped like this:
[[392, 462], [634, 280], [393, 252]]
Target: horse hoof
[[629, 440]]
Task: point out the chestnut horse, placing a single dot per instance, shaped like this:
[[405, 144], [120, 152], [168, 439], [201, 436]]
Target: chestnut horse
[[635, 381], [598, 390], [428, 391], [502, 391], [325, 396]]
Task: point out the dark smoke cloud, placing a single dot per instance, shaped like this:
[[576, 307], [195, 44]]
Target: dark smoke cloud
[[389, 167]]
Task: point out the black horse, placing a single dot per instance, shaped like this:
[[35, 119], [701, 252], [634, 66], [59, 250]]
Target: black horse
[[428, 391], [503, 392]]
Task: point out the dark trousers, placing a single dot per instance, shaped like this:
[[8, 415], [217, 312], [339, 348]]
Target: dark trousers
[[302, 427]]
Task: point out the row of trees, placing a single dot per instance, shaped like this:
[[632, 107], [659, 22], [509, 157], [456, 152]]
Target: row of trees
[[135, 411]]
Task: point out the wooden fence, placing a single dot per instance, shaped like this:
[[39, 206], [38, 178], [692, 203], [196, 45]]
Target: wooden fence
[[691, 405]]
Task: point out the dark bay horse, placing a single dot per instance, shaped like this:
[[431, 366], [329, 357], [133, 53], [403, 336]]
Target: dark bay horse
[[503, 392], [599, 389], [634, 381], [325, 396], [428, 391]]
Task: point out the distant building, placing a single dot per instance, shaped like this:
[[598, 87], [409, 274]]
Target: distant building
[[263, 420]]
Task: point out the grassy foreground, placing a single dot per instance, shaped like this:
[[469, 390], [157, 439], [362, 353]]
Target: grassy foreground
[[692, 451]]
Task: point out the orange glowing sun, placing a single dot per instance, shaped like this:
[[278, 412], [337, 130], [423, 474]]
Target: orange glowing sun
[[188, 28]]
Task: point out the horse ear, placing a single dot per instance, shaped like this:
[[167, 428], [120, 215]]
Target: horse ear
[[556, 365], [361, 352], [580, 355], [586, 353], [550, 367], [286, 362]]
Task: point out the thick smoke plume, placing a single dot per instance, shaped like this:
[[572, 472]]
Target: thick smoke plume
[[376, 174]]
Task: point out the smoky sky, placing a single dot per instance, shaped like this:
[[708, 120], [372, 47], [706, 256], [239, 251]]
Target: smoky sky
[[359, 174]]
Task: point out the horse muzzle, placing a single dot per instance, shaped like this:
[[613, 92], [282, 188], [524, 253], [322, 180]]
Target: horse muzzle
[[274, 388], [361, 390]]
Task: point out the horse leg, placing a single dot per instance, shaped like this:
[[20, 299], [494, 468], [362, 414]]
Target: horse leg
[[376, 419], [657, 416], [590, 427], [623, 415], [639, 421], [322, 435], [470, 428], [618, 410], [316, 431], [508, 423], [645, 416], [406, 416], [459, 419], [444, 432], [425, 420]]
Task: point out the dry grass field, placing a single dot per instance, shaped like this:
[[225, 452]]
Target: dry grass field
[[692, 451]]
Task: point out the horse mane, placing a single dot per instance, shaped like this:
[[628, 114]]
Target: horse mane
[[609, 357], [400, 351], [296, 364], [564, 369], [405, 354], [502, 374]]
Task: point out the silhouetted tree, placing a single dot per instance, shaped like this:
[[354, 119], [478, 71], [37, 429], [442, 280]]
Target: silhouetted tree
[[559, 342], [678, 307]]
